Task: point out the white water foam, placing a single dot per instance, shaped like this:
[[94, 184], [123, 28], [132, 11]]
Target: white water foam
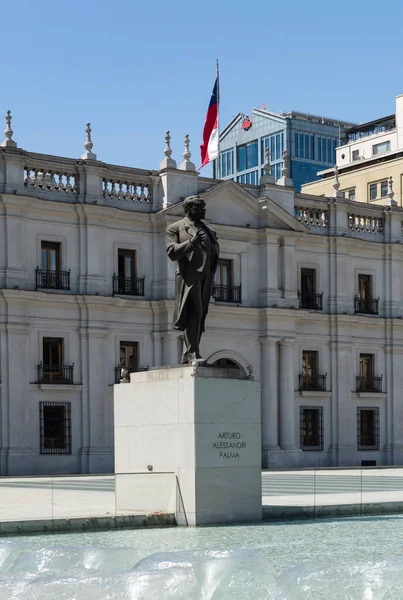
[[87, 573], [32, 572]]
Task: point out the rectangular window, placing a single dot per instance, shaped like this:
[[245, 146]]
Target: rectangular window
[[276, 145], [226, 163], [223, 275], [50, 256], [365, 287], [368, 428], [247, 156], [311, 428], [351, 194], [310, 364], [52, 351], [384, 188], [308, 282], [129, 356], [223, 288], [55, 427], [373, 191], [367, 366], [381, 148], [326, 150], [126, 263], [355, 155]]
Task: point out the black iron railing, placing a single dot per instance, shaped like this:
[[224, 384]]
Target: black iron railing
[[52, 280], [227, 293], [55, 373], [311, 428], [366, 306], [55, 427], [129, 286], [312, 301], [369, 384], [118, 372], [312, 382]]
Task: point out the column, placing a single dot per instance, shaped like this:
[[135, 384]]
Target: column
[[157, 340], [244, 278], [287, 402], [289, 270], [269, 394], [344, 410], [170, 349], [19, 432]]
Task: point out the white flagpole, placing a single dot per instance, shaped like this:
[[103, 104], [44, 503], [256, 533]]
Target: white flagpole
[[218, 122]]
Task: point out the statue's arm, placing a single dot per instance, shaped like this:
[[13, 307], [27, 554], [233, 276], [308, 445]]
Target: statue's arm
[[175, 249]]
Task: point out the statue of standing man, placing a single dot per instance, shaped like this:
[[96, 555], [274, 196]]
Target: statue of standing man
[[195, 249]]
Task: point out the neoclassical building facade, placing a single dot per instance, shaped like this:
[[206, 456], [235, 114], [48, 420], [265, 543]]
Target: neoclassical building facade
[[308, 299]]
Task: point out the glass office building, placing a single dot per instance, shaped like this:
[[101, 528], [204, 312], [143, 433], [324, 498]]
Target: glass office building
[[310, 141]]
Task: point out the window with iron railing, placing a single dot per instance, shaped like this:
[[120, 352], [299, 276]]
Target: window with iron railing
[[126, 282], [309, 378], [366, 380], [53, 369], [55, 427], [311, 428], [50, 275], [223, 290], [367, 428], [307, 296], [364, 302]]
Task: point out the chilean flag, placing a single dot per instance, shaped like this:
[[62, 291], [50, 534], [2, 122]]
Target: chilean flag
[[209, 147]]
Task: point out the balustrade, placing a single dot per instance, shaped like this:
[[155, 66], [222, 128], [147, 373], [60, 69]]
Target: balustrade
[[124, 190], [47, 180], [362, 224], [312, 216]]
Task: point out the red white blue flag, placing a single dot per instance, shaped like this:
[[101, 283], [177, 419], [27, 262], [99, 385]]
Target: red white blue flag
[[209, 147]]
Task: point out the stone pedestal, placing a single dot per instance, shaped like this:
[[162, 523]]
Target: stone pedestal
[[203, 424]]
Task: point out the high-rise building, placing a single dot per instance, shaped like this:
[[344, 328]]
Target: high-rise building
[[369, 160], [310, 142]]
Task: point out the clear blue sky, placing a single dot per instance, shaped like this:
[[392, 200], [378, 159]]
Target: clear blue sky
[[137, 68]]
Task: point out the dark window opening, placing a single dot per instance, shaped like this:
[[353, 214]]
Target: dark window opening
[[368, 428], [311, 427], [55, 427]]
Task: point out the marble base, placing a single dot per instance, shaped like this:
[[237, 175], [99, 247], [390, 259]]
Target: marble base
[[202, 424]]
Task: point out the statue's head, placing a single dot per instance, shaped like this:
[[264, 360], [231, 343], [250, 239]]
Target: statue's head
[[194, 207]]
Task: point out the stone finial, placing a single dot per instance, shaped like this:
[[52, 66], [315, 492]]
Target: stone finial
[[8, 132], [390, 188], [336, 184], [267, 178], [88, 154], [167, 149], [267, 164], [168, 162], [391, 193], [187, 154], [187, 165], [284, 166], [285, 180]]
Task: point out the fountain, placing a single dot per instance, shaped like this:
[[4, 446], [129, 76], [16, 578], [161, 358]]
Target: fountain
[[355, 559]]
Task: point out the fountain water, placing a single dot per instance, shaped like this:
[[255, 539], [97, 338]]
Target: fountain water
[[349, 559]]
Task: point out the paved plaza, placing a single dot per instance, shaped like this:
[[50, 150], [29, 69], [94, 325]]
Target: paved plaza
[[40, 498]]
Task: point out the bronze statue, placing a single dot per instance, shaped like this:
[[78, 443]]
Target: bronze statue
[[195, 249]]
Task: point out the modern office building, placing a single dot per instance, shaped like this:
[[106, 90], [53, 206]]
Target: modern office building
[[308, 299], [310, 142], [369, 160]]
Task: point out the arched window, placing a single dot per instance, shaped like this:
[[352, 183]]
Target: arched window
[[227, 363]]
